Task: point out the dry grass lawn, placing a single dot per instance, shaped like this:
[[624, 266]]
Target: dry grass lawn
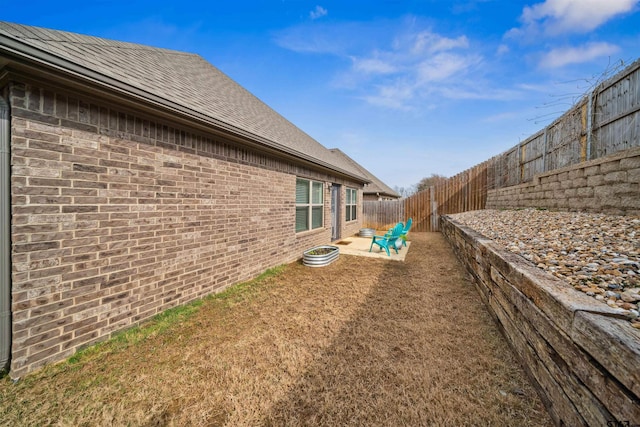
[[362, 342]]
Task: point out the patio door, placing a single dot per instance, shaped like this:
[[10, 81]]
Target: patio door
[[335, 212]]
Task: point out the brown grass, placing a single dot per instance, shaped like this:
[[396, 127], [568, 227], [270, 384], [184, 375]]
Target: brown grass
[[361, 342]]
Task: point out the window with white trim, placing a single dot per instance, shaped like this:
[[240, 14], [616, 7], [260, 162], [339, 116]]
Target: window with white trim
[[351, 204], [309, 204]]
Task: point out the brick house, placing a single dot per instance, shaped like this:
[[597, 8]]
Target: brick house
[[375, 190], [135, 179]]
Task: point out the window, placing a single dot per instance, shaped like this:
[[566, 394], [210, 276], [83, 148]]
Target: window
[[309, 205], [351, 204]]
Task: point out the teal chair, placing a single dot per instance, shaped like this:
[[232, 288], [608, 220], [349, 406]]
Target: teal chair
[[405, 231], [389, 239]]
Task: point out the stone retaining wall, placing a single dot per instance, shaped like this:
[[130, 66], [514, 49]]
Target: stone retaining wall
[[581, 356], [609, 185]]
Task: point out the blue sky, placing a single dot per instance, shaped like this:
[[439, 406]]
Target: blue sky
[[407, 88]]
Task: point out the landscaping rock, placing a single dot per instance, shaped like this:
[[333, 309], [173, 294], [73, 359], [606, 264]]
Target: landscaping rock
[[598, 254]]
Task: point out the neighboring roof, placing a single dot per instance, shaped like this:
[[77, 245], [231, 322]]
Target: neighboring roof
[[375, 186], [184, 83]]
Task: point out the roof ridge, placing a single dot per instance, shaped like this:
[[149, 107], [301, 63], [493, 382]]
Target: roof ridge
[[71, 38], [181, 81], [131, 46], [375, 183]]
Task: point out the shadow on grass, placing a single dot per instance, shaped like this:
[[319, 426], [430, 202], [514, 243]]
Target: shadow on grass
[[360, 342], [421, 350]]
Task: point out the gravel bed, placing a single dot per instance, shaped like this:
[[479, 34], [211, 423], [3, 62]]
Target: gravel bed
[[597, 254]]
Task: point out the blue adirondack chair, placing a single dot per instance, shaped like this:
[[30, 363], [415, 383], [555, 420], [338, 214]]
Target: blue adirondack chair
[[389, 239], [404, 233]]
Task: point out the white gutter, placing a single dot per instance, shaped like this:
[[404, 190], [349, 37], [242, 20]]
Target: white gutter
[[5, 237]]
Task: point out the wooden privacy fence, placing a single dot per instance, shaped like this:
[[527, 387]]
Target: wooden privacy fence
[[605, 121], [463, 192], [382, 214]]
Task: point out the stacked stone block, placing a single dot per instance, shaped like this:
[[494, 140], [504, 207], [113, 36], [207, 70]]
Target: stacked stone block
[[581, 354], [608, 185]]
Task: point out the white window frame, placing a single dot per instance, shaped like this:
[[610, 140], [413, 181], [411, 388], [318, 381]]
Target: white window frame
[[351, 204], [310, 204]]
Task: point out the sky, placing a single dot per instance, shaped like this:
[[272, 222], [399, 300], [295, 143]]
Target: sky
[[407, 88]]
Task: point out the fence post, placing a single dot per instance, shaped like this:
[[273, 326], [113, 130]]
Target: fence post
[[589, 124], [544, 152], [520, 163], [434, 208]]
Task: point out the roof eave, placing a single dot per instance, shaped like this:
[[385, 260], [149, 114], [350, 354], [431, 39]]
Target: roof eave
[[74, 75]]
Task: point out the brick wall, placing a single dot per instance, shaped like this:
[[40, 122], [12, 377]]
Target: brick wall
[[608, 185], [116, 217]]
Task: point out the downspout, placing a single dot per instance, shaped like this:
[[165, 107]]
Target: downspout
[[5, 237]]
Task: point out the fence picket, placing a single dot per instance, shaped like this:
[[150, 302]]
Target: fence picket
[[599, 125]]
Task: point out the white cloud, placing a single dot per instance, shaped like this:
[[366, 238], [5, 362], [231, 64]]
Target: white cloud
[[400, 65], [373, 66], [318, 12], [426, 83], [472, 90], [576, 55], [442, 66], [418, 64], [502, 117], [571, 16], [503, 49], [325, 38], [428, 42], [387, 99], [542, 87]]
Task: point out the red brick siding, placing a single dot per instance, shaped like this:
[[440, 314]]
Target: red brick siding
[[117, 217]]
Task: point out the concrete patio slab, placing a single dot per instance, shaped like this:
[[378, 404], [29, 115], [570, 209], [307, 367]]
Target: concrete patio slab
[[359, 246]]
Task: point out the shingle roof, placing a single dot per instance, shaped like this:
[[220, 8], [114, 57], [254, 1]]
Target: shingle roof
[[175, 77], [375, 186]]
